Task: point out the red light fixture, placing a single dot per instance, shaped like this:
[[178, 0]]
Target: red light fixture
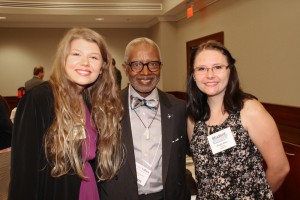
[[190, 11]]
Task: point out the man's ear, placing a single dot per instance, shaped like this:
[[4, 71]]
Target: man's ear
[[125, 68]]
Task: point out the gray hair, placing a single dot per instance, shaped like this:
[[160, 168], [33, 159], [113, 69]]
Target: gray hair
[[137, 41]]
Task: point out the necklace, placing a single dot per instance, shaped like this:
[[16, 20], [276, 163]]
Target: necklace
[[147, 132], [211, 128]]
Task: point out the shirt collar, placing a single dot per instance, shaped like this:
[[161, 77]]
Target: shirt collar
[[152, 95]]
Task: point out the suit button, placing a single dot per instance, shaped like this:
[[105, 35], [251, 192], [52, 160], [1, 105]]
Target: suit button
[[116, 177]]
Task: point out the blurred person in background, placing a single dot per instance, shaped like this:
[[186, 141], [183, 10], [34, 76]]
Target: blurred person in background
[[5, 143], [5, 125], [117, 74], [38, 75]]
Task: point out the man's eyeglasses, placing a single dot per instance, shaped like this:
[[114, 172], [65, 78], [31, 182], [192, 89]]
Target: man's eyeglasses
[[137, 66], [217, 69]]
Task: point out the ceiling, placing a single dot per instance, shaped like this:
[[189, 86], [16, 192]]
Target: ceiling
[[115, 13]]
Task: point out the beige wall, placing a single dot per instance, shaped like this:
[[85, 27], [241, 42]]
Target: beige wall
[[20, 51], [23, 48], [167, 44], [263, 36]]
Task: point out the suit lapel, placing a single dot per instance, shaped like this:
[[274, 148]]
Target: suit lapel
[[167, 124], [126, 132]]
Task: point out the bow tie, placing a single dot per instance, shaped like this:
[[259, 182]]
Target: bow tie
[[137, 102]]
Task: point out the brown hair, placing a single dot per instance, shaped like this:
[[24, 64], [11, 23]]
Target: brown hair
[[37, 70], [197, 106]]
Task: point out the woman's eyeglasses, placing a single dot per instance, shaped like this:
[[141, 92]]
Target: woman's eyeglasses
[[217, 69]]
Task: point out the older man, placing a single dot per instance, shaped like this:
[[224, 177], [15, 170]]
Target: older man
[[154, 133]]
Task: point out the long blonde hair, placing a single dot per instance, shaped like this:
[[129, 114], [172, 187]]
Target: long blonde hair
[[62, 147]]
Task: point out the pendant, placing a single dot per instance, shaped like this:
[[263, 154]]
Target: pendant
[[147, 134], [210, 130]]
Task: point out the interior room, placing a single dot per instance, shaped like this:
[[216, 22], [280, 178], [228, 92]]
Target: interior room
[[263, 36]]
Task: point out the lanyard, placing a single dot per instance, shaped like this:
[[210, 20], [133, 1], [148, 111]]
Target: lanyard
[[150, 165]]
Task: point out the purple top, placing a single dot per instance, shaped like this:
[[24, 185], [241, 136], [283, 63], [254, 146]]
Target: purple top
[[88, 187]]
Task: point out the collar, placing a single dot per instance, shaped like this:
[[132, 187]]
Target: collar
[[152, 95]]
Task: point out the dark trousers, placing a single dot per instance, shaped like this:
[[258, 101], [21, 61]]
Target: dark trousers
[[152, 196]]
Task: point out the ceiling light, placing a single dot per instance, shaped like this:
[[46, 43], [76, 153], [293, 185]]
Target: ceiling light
[[2, 17], [99, 19]]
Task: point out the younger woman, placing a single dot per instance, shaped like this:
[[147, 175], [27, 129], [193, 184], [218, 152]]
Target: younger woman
[[230, 132], [67, 129]]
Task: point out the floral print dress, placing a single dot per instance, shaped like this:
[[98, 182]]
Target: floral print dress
[[234, 173]]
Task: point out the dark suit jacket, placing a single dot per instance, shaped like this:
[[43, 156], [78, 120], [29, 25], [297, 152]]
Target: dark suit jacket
[[173, 119], [32, 83]]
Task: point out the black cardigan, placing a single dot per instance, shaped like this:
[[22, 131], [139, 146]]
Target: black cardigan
[[30, 172]]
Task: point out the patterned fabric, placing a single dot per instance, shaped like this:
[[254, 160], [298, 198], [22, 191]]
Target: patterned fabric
[[137, 102], [235, 173]]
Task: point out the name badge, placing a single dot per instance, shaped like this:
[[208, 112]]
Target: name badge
[[221, 140], [143, 174]]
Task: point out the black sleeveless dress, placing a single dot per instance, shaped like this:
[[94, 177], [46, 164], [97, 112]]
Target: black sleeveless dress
[[235, 173]]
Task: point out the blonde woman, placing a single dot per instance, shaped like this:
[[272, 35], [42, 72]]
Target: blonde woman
[[67, 129]]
